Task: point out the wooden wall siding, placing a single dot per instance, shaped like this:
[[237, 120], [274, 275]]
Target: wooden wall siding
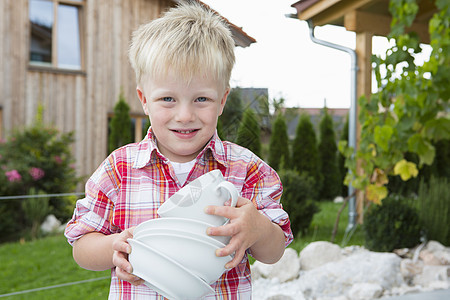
[[109, 28], [13, 48], [77, 101]]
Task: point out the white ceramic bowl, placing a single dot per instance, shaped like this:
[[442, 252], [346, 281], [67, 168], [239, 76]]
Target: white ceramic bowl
[[193, 252], [190, 201], [164, 275], [179, 224]]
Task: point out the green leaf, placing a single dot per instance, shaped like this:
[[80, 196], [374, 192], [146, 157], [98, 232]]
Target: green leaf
[[423, 148], [438, 129], [405, 169], [376, 193], [382, 135]]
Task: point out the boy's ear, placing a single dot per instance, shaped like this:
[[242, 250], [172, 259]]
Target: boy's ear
[[141, 96], [223, 101]]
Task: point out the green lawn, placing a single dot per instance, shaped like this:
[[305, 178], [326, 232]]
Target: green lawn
[[43, 263], [322, 227], [48, 262]]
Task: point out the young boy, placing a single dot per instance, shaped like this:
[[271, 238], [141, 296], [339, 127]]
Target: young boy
[[183, 63]]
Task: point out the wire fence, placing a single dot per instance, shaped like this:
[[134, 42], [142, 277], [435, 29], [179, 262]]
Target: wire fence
[[20, 197], [54, 286]]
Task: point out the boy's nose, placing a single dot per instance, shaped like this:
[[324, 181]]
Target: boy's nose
[[185, 114]]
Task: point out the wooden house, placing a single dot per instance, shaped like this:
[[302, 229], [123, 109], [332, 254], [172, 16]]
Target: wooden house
[[71, 57]]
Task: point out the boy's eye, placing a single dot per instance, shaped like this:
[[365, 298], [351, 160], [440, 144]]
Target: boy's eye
[[167, 99], [201, 99]]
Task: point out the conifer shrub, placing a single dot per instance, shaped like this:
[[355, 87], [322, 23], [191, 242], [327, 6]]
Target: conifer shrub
[[392, 225], [231, 116], [328, 163], [305, 157], [120, 126], [341, 159], [434, 209], [219, 129], [249, 132], [279, 144], [298, 199]]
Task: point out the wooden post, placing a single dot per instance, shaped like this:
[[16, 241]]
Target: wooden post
[[363, 88]]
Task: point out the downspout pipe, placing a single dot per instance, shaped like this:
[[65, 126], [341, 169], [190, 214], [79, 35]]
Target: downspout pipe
[[352, 115]]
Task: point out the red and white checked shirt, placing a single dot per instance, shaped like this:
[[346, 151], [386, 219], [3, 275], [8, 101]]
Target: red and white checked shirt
[[131, 184]]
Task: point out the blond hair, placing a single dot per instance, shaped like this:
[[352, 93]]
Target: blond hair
[[188, 40]]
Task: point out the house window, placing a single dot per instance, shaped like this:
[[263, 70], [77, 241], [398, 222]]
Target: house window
[[56, 33]]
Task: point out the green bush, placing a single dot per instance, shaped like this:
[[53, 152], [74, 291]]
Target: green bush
[[434, 209], [249, 132], [35, 210], [305, 159], [328, 162], [341, 159], [120, 126], [392, 225], [297, 199], [37, 158], [279, 144], [231, 116]]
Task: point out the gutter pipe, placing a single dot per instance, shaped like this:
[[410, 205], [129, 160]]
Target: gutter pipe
[[352, 116]]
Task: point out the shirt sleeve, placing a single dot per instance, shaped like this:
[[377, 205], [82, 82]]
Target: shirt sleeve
[[263, 187], [94, 213]]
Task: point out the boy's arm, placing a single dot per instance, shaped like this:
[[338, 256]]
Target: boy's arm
[[248, 229], [94, 251], [97, 252]]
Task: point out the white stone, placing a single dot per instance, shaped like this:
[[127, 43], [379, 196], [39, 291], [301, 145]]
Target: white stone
[[338, 199], [263, 289], [403, 290], [435, 253], [50, 224], [287, 268], [365, 291], [429, 258], [434, 246], [319, 253], [443, 256], [431, 274], [343, 297], [280, 297], [439, 285], [335, 279], [410, 268], [349, 250]]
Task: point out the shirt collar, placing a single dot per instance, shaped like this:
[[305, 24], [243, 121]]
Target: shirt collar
[[148, 152]]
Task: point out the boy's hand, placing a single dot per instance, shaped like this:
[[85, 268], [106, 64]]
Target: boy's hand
[[245, 228], [120, 258]]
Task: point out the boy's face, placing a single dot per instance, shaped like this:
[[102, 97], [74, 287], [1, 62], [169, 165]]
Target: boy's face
[[183, 115]]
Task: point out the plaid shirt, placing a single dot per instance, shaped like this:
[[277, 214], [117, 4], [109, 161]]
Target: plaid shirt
[[131, 184]]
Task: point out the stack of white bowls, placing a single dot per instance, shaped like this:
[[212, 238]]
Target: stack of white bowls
[[173, 254]]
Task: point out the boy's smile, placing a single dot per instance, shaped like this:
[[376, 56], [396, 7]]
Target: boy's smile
[[183, 115]]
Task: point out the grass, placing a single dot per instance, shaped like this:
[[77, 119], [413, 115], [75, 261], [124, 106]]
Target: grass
[[48, 261], [322, 227], [43, 263]]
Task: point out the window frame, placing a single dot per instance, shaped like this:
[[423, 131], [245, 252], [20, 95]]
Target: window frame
[[53, 66]]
